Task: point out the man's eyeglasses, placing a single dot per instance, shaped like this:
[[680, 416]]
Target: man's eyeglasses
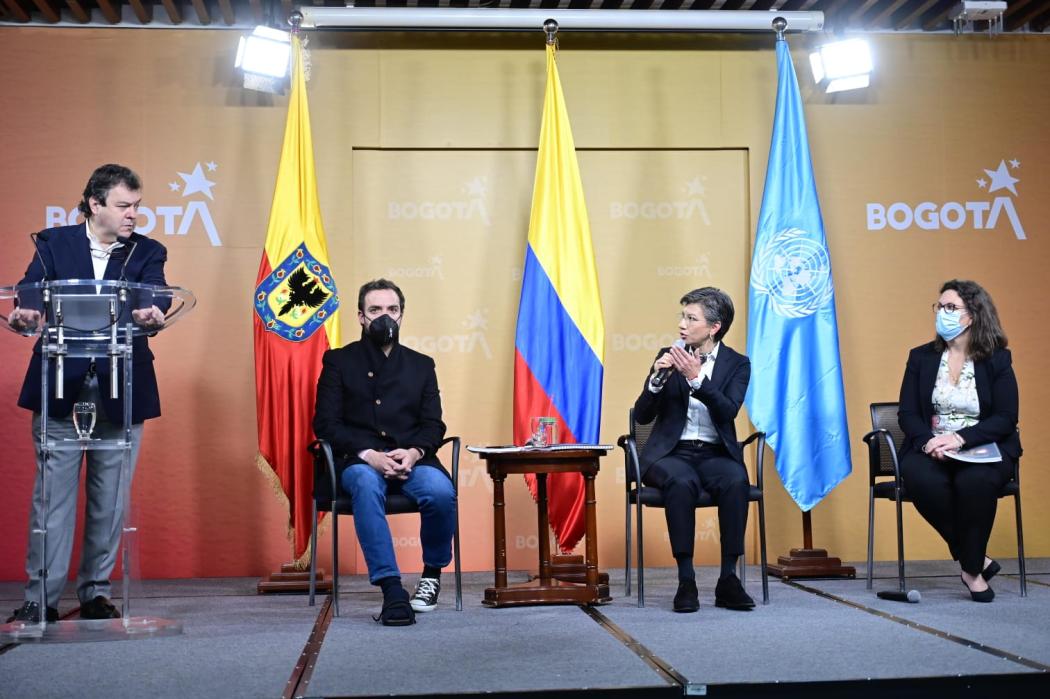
[[950, 307]]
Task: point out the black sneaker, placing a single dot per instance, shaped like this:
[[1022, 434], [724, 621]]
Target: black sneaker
[[99, 608], [425, 598], [29, 613], [687, 599], [729, 593]]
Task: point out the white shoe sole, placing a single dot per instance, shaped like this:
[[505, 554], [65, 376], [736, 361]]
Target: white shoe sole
[[420, 607]]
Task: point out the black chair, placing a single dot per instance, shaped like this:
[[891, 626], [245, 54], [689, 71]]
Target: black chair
[[638, 494], [883, 442], [329, 497]]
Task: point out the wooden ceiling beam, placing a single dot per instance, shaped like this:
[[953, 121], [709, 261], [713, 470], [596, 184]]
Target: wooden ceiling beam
[[859, 11], [110, 10], [257, 10], [888, 9], [19, 13], [1014, 6], [909, 13], [50, 10], [1025, 16], [1040, 23], [201, 8], [938, 15], [79, 12], [143, 9], [226, 10], [174, 10]]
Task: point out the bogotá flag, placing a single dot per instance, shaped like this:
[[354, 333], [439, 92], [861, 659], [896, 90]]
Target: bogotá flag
[[296, 319], [560, 337]]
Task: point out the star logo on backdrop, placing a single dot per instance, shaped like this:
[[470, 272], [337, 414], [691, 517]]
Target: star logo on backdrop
[[476, 321], [1001, 178], [212, 166], [476, 187], [174, 186], [197, 182], [1015, 163], [695, 187]]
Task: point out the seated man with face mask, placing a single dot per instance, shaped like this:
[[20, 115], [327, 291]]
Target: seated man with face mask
[[379, 407]]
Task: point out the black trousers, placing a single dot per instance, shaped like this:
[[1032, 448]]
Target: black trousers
[[687, 472], [958, 499]]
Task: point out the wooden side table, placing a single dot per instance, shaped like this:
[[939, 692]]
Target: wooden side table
[[545, 589]]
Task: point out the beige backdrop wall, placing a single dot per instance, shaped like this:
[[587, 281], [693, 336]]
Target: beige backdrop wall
[[425, 154]]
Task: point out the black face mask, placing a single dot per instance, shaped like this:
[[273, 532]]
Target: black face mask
[[382, 331]]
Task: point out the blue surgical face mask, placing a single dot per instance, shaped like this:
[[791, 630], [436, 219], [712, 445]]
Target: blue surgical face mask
[[949, 325]]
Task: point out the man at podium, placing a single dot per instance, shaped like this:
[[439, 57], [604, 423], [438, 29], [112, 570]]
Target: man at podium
[[105, 246]]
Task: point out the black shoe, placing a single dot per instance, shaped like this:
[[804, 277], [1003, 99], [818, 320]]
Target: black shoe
[[99, 608], [989, 572], [982, 596], [29, 613], [729, 593], [687, 599], [396, 609]]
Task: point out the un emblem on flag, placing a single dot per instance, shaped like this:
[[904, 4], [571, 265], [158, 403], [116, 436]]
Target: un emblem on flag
[[794, 271], [295, 299]]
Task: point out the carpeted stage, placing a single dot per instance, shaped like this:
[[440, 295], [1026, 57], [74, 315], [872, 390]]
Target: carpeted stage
[[819, 638]]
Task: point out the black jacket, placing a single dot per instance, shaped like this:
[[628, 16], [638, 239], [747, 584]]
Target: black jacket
[[996, 394], [67, 255], [367, 400], [723, 394]]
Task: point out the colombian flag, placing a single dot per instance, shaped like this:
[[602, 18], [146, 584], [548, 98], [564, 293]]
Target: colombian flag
[[560, 338], [296, 319]]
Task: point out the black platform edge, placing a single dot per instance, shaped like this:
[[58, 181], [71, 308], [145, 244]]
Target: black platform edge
[[918, 687]]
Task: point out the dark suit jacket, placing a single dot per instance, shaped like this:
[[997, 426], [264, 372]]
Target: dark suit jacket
[[66, 255], [996, 393], [723, 394], [367, 400]]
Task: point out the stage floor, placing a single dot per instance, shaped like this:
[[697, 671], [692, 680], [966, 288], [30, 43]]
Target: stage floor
[[815, 638]]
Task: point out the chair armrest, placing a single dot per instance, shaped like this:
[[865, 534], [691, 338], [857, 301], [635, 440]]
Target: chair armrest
[[760, 454], [455, 442], [632, 467], [323, 459], [874, 439]]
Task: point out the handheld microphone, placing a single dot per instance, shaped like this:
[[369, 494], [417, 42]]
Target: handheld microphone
[[36, 238], [912, 596], [661, 376]]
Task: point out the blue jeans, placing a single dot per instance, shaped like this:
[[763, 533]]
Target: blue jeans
[[431, 490]]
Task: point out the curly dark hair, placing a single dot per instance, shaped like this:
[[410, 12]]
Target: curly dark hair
[[102, 180], [986, 332]]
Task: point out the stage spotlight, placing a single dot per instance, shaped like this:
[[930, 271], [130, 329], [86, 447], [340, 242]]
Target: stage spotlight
[[843, 65], [264, 57]]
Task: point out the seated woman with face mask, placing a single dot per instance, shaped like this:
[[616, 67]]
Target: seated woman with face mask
[[960, 392]]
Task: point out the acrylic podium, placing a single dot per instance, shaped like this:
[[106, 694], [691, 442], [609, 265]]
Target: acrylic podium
[[89, 318]]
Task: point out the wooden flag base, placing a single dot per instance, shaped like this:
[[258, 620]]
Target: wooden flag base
[[293, 580], [808, 562], [569, 568]]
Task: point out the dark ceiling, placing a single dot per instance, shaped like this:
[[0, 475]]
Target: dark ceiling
[[1032, 16]]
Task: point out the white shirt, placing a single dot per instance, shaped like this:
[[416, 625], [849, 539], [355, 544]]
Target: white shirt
[[100, 252], [698, 424]]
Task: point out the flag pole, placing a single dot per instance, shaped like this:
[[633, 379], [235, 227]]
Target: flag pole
[[806, 562]]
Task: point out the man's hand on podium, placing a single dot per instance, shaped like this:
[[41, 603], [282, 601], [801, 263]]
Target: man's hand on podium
[[22, 319], [151, 317]]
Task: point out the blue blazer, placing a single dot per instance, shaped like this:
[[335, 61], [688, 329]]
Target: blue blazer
[[66, 255], [996, 394], [723, 394]]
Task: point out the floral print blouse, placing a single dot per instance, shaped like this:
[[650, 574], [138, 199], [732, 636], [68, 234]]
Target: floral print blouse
[[955, 406]]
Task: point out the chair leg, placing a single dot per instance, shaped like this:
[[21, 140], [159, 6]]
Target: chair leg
[[313, 554], [335, 559], [741, 568], [762, 547], [639, 534], [459, 567], [1020, 547], [900, 544], [871, 534], [627, 545]]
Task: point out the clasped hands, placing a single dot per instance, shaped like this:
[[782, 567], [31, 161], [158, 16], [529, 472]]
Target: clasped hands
[[22, 319], [685, 362], [940, 445], [395, 464]]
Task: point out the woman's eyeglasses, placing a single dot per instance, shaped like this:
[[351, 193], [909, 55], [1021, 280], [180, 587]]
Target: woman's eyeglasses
[[950, 307]]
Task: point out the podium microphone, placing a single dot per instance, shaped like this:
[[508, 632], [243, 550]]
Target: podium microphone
[[912, 596], [661, 376], [36, 238]]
